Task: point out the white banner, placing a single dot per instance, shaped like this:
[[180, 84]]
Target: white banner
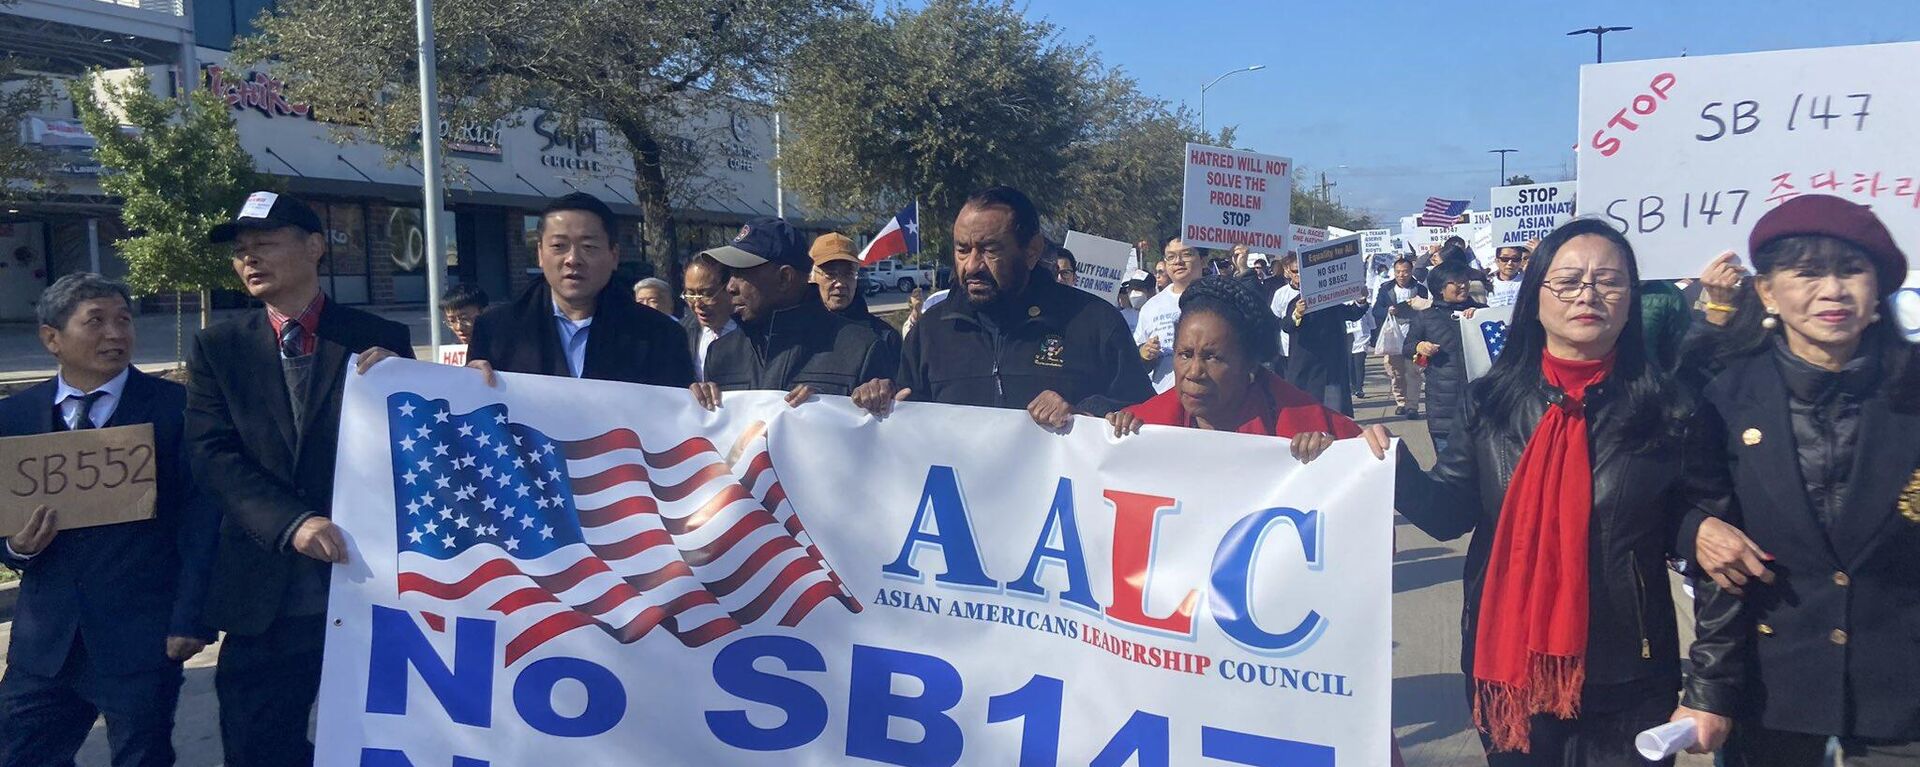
[[531, 581], [1102, 263], [1332, 273], [1235, 197], [1530, 211], [1684, 155]]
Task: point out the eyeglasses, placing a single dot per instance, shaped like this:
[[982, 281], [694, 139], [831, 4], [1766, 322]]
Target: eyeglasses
[[1568, 288], [1508, 259], [1180, 255], [699, 299]]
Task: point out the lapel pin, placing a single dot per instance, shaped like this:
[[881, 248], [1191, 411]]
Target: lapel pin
[[1751, 437], [1033, 311]]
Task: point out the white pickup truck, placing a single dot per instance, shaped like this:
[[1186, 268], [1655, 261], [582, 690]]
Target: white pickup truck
[[893, 275]]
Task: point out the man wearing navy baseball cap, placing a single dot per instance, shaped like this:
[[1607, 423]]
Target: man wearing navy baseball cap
[[789, 341], [262, 429]]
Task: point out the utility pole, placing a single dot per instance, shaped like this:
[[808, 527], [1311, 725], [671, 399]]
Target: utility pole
[[1599, 39], [1324, 198], [1503, 163]]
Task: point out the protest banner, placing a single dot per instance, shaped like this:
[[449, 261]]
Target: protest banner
[[453, 354], [1376, 242], [1303, 237], [1332, 273], [1527, 212], [1419, 238], [89, 477], [1235, 197], [632, 583], [1482, 336], [1101, 263], [1684, 155]]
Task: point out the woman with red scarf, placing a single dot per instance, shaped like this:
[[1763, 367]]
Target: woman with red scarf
[[1570, 463]]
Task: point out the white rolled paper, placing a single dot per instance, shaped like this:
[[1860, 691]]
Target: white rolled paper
[[1667, 739]]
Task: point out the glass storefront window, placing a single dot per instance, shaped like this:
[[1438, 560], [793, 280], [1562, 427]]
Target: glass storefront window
[[344, 272]]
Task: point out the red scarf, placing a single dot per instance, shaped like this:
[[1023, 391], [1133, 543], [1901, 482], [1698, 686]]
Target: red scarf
[[1530, 644]]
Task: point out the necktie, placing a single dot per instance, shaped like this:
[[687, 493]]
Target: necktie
[[291, 337], [84, 418]]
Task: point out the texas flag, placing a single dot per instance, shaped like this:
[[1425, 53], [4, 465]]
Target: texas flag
[[901, 236]]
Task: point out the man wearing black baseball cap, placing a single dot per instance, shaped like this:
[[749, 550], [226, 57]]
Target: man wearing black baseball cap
[[262, 430], [788, 340], [570, 324]]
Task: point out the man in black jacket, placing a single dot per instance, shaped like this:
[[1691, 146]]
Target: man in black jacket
[[1019, 339], [788, 341], [106, 614], [262, 432], [570, 324], [709, 309], [836, 269]]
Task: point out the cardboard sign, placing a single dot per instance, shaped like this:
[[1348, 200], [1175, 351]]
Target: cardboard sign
[[90, 477], [1685, 155], [1530, 211], [1419, 238], [1332, 273], [1234, 197], [1102, 263], [1376, 242], [453, 354]]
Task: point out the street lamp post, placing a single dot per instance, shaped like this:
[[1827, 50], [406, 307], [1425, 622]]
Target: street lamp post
[[432, 186], [1599, 39], [1216, 81], [1503, 163]]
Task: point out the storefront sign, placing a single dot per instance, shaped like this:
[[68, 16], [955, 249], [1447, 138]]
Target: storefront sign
[[254, 90], [582, 141], [472, 139]]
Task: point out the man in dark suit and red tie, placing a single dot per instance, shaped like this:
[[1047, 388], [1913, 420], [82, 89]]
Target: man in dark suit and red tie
[[263, 423], [106, 614]]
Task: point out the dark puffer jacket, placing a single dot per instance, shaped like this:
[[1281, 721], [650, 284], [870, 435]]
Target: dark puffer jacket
[[1446, 371]]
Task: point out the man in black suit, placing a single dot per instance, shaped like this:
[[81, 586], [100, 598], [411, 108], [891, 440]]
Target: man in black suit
[[263, 423], [106, 614], [571, 324], [709, 310]]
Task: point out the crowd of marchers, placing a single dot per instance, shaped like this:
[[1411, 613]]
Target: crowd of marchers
[[1752, 428]]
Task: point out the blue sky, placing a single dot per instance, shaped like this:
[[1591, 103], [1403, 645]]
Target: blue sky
[[1409, 96]]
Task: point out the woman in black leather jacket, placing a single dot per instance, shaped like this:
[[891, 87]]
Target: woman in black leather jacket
[[1570, 465], [1815, 400]]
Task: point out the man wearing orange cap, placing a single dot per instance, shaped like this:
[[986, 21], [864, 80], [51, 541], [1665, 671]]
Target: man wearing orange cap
[[836, 270]]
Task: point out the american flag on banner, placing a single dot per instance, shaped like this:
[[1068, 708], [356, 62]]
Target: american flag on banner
[[1442, 212], [559, 535], [1495, 334]]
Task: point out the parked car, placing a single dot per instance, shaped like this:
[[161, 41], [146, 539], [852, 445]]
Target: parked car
[[902, 277]]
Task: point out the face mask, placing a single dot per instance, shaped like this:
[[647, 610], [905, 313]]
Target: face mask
[[1136, 298]]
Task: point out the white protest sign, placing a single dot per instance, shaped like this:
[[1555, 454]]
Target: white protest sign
[[1529, 212], [453, 354], [1376, 242], [689, 587], [1102, 263], [1332, 273], [1235, 197], [1303, 237], [1684, 155], [1482, 336]]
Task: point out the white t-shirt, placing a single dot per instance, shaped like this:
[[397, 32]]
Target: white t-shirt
[[1282, 299], [707, 337], [1158, 318], [1505, 292]]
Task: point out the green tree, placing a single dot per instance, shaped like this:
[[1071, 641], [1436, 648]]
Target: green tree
[[178, 168], [24, 168], [935, 102], [1520, 180], [649, 68], [1315, 207]]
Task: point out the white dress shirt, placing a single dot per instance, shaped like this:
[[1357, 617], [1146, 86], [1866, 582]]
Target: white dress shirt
[[707, 337]]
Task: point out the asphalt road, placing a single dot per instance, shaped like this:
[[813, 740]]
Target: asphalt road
[[1430, 715]]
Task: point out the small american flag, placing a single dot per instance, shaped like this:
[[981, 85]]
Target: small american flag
[[1442, 212], [1495, 334], [558, 535]]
